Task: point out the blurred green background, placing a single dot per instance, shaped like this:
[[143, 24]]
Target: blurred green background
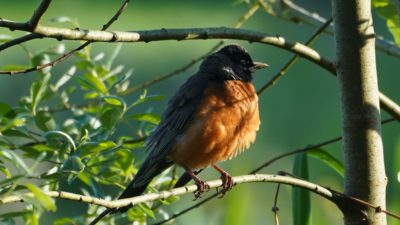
[[301, 109]]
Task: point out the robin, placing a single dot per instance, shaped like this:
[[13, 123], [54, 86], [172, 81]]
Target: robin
[[211, 118]]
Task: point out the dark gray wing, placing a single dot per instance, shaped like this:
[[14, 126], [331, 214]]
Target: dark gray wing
[[177, 117]]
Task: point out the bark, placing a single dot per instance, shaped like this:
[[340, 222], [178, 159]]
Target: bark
[[362, 142]]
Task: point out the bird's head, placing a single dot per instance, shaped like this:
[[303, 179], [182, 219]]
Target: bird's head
[[231, 62]]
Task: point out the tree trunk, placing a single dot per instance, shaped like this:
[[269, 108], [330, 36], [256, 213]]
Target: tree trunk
[[362, 143]]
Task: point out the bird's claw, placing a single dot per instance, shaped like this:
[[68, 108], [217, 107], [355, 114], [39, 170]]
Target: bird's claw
[[201, 188], [227, 184]]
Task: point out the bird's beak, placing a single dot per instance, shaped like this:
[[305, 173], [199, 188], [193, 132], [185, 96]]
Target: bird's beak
[[258, 65]]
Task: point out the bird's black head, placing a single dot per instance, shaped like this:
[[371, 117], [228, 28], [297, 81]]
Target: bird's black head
[[231, 62]]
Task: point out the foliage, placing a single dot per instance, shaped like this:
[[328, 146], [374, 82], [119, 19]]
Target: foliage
[[388, 11], [71, 142]]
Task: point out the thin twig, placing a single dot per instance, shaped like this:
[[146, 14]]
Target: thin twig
[[293, 59], [377, 208], [389, 106], [38, 13], [275, 208], [19, 40], [176, 215], [183, 68]]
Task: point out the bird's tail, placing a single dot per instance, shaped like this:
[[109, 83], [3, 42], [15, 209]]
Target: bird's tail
[[149, 169]]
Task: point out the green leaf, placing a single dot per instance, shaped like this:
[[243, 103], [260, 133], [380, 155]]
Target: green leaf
[[56, 49], [61, 19], [41, 59], [115, 101], [147, 117], [388, 11], [394, 28], [16, 160], [110, 118], [379, 3], [59, 135], [131, 143], [8, 181], [328, 159], [15, 214], [32, 218], [5, 171], [65, 78], [14, 67], [113, 56], [96, 83], [147, 210], [38, 90], [136, 214], [65, 221], [125, 161], [144, 98], [16, 132], [36, 150], [47, 202], [9, 124], [98, 57], [301, 197], [90, 148], [5, 37], [45, 121], [4, 109], [237, 2], [73, 164]]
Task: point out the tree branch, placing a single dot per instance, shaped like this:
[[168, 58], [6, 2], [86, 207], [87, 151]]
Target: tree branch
[[322, 191], [331, 195], [38, 13], [293, 59], [183, 34], [287, 9], [358, 84], [19, 40], [389, 106]]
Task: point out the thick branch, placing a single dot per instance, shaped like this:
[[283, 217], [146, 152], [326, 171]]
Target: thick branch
[[322, 191], [362, 142], [180, 35]]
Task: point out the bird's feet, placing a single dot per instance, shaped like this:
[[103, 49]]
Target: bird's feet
[[201, 185], [201, 188], [227, 181]]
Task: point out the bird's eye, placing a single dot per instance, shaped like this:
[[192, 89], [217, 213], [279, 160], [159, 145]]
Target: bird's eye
[[244, 62]]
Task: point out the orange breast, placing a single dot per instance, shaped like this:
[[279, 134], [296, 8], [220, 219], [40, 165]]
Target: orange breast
[[225, 124]]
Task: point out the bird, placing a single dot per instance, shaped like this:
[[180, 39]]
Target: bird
[[212, 117]]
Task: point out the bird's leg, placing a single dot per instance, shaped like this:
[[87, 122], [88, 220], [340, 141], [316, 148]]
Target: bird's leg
[[201, 185], [227, 181]]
